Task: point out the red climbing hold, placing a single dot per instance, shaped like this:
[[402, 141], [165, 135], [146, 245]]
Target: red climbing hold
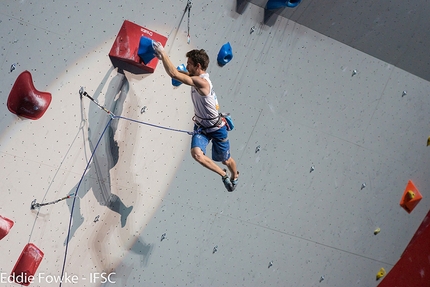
[[5, 225], [25, 101], [27, 264]]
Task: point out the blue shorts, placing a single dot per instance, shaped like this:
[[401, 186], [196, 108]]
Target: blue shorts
[[220, 143]]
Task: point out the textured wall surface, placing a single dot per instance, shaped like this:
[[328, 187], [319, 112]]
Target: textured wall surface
[[146, 211], [396, 32]]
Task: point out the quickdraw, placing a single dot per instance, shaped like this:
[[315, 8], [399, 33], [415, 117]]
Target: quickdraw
[[189, 4]]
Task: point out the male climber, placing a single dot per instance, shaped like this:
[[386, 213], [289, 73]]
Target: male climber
[[206, 116]]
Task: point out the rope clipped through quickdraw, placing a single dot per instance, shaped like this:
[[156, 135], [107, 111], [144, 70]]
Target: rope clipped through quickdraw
[[34, 204], [189, 4], [76, 194], [113, 116], [84, 93]]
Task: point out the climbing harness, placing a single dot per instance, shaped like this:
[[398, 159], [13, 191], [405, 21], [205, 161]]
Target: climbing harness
[[222, 117], [201, 127]]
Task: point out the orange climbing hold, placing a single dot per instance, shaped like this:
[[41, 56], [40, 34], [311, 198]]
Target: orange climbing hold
[[411, 197], [25, 100]]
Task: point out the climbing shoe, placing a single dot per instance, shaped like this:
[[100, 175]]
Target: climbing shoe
[[235, 181], [227, 183]]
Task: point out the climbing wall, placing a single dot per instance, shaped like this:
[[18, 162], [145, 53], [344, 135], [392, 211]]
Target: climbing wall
[[326, 139], [375, 28]]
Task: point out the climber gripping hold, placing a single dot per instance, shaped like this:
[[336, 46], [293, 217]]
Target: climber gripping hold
[[207, 118]]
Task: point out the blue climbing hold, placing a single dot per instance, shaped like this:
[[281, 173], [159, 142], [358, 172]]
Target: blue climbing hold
[[182, 68], [225, 54], [146, 51], [276, 4]]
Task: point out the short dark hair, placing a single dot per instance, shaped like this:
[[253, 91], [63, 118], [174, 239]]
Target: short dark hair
[[199, 57]]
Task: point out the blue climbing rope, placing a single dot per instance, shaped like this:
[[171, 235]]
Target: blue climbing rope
[[76, 194], [112, 117], [153, 125]]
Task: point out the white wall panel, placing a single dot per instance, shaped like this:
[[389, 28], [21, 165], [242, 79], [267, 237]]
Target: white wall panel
[[296, 105]]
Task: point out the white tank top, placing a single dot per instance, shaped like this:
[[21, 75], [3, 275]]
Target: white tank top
[[206, 107]]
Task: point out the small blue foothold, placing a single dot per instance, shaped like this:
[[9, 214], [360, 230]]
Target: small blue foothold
[[146, 51], [225, 54], [182, 68]]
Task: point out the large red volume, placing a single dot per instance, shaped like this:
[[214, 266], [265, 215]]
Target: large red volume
[[126, 45], [413, 267]]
